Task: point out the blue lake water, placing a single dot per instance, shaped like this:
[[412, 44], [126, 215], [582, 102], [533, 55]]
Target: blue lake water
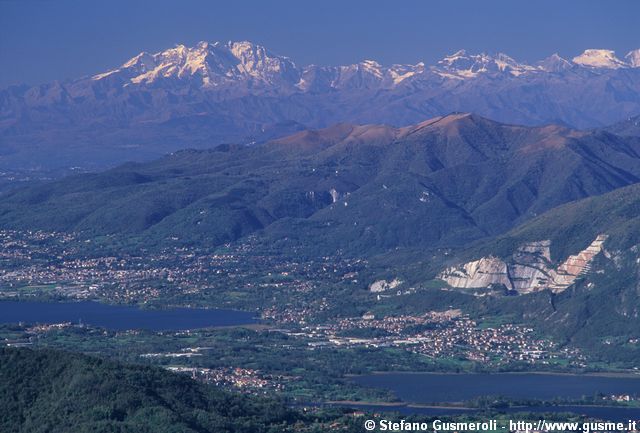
[[430, 388], [117, 317]]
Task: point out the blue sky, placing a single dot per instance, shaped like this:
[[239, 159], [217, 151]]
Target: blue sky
[[43, 40]]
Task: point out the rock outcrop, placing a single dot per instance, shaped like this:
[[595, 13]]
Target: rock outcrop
[[479, 273], [576, 265], [530, 269], [384, 285]]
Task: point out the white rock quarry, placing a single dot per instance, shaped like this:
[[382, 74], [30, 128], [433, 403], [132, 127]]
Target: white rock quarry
[[335, 195], [576, 265], [477, 274], [530, 269], [384, 285]]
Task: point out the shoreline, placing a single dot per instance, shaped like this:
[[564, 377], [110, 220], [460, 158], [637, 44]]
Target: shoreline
[[465, 408], [396, 404], [612, 374]]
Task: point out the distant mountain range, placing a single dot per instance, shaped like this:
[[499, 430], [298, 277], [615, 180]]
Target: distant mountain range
[[628, 127], [239, 92]]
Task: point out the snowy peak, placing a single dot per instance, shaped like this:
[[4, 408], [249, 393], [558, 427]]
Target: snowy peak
[[252, 68], [555, 63], [257, 61], [599, 59], [463, 65], [368, 74], [372, 67], [386, 76], [143, 62], [399, 73], [213, 64], [633, 58], [240, 92]]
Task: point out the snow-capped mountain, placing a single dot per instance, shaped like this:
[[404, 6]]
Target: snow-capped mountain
[[242, 92], [555, 63], [633, 58], [214, 65], [210, 64], [463, 65], [600, 59]]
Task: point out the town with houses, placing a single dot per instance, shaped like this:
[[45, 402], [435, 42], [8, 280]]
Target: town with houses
[[164, 276], [158, 276], [437, 335]]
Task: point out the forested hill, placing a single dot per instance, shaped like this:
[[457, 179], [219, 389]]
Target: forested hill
[[363, 189], [59, 392]]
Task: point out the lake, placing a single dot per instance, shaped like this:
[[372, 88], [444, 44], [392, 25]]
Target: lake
[[117, 317], [428, 388], [431, 388]]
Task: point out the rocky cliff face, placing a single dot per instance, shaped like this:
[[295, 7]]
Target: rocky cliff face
[[530, 269], [384, 285], [477, 274]]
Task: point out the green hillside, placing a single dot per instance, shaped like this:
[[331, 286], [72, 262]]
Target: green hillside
[[573, 226], [362, 189], [51, 391], [601, 312]]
